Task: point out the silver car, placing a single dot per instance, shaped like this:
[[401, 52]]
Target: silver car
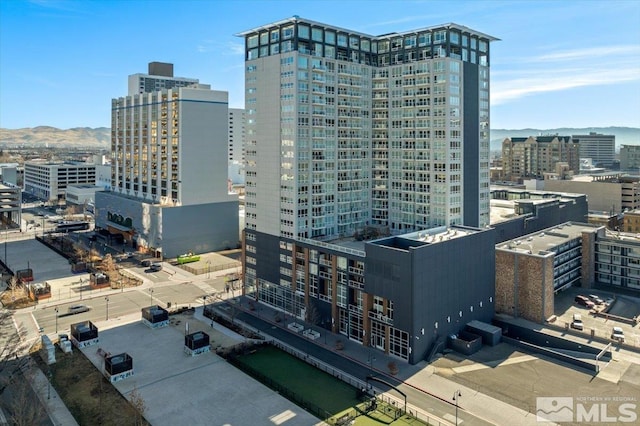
[[78, 309]]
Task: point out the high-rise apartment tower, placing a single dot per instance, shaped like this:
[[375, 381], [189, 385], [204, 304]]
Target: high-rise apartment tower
[[347, 130], [351, 136]]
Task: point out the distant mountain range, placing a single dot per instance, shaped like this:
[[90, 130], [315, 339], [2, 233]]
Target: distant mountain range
[[80, 137], [43, 136]]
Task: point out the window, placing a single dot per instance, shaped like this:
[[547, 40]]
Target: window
[[303, 31], [264, 38], [440, 36], [329, 52], [329, 37], [275, 36], [424, 39], [354, 42], [342, 40], [365, 45], [287, 32], [316, 34], [454, 37], [252, 41], [287, 46], [409, 42]]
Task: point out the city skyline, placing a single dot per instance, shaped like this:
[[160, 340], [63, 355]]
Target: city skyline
[[63, 61]]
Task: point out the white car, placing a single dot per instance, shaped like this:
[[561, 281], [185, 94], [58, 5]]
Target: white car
[[596, 299], [78, 309], [617, 334], [577, 322]]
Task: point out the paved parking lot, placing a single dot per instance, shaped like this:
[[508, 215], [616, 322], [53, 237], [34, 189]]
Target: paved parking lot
[[565, 308], [518, 378], [180, 389], [46, 263]]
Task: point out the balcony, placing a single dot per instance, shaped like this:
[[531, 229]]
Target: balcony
[[355, 308], [379, 317]]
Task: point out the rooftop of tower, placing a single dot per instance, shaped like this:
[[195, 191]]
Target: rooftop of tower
[[296, 19]]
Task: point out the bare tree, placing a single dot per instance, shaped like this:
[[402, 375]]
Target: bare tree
[[23, 406], [80, 252], [13, 350], [108, 265], [94, 255], [312, 314], [13, 284]]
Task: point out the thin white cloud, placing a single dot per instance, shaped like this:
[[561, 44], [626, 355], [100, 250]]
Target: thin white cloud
[[503, 91], [228, 48], [75, 7], [593, 53], [563, 69]]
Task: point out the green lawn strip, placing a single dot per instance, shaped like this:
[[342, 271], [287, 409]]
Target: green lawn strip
[[308, 382]]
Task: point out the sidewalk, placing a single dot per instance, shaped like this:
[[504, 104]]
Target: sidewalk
[[58, 412]]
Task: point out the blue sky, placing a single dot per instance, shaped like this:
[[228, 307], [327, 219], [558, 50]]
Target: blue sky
[[557, 64]]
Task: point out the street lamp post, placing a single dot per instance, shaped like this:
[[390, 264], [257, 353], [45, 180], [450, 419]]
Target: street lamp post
[[456, 397], [204, 300], [56, 309], [151, 294], [107, 300], [49, 390]]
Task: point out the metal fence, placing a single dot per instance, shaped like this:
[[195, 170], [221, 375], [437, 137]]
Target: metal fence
[[205, 269], [411, 410], [631, 342]]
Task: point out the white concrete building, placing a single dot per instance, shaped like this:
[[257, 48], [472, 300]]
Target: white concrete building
[[600, 148], [82, 195], [160, 77], [169, 190], [103, 176], [237, 120], [49, 181], [236, 134], [630, 157]]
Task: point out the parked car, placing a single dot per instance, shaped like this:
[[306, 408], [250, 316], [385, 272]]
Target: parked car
[[145, 263], [156, 266], [78, 309], [609, 301], [617, 334], [596, 299], [577, 322], [584, 301]]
